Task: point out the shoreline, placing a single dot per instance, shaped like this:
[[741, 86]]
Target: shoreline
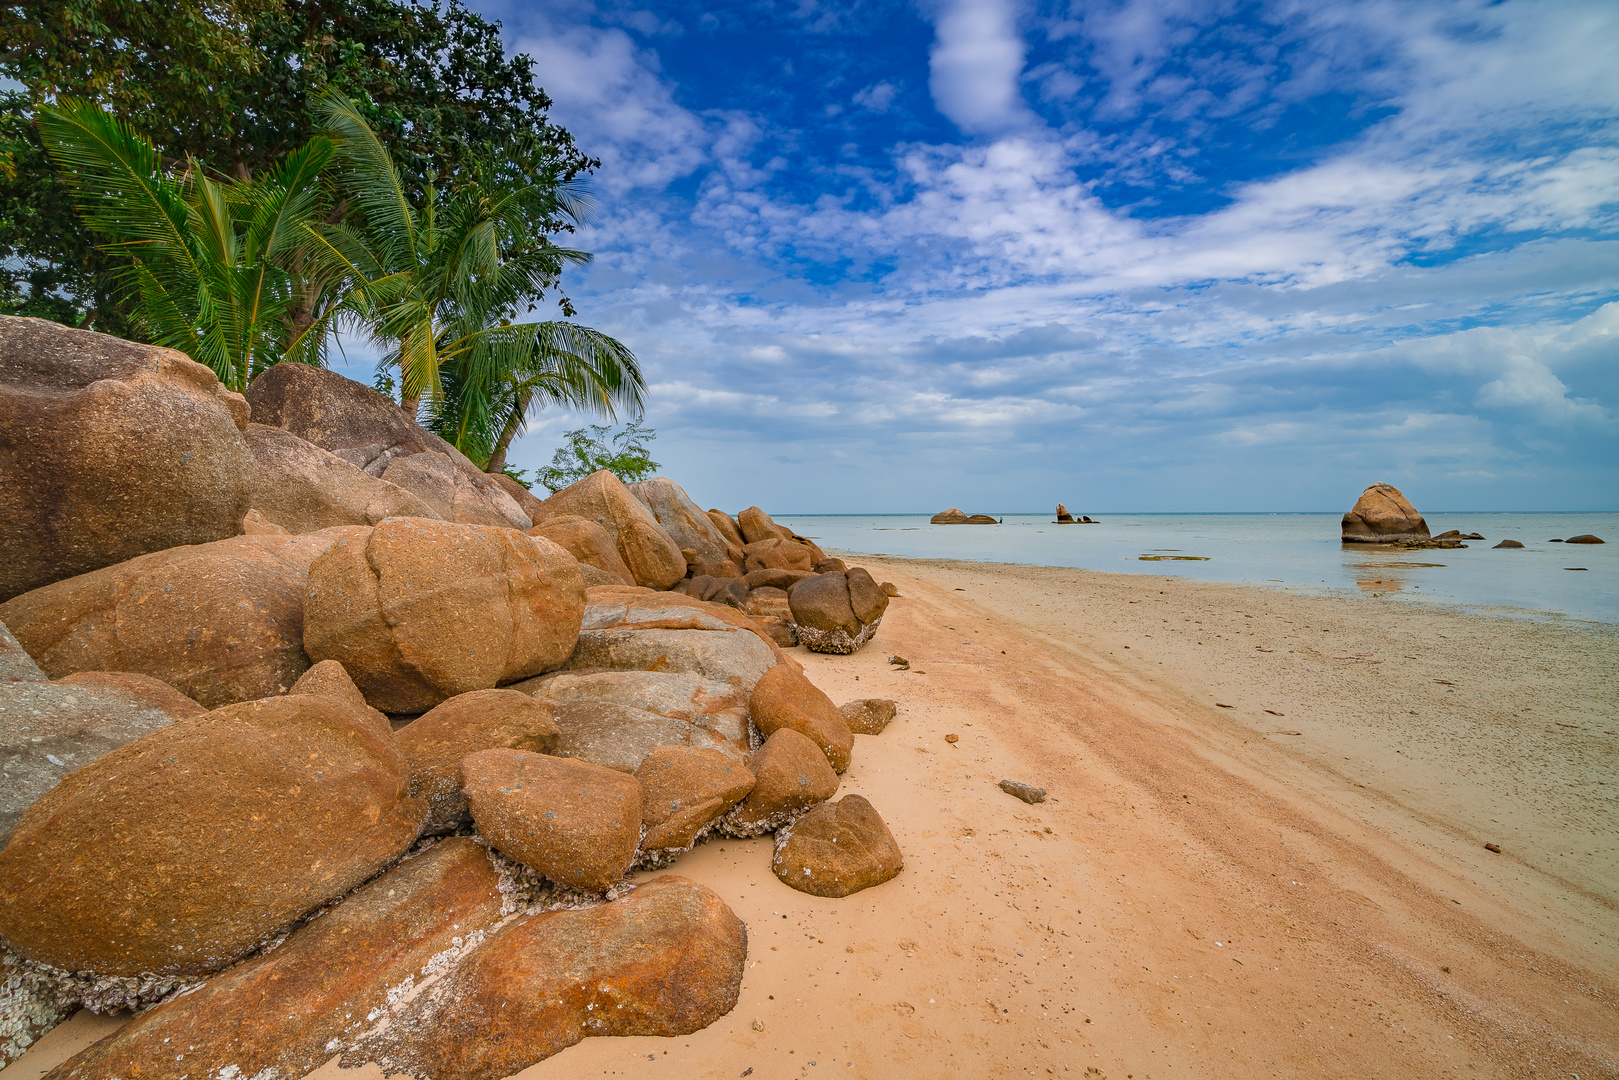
[[1201, 894]]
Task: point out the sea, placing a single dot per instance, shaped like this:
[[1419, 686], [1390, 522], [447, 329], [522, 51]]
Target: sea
[[1285, 551]]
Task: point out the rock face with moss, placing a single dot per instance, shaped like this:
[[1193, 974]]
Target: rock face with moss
[[1383, 515], [109, 450]]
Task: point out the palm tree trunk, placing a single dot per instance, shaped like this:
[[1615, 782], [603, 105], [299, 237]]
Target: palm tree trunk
[[410, 404], [497, 460]]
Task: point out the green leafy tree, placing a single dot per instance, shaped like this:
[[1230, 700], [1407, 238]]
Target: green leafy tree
[[230, 83], [437, 287], [204, 260], [591, 449]]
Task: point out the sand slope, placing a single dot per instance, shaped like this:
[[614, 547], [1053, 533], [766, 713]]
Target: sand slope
[[1201, 897]]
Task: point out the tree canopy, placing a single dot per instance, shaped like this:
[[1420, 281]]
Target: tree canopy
[[231, 83]]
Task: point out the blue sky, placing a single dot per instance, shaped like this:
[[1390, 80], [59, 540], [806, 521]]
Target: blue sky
[[1156, 256]]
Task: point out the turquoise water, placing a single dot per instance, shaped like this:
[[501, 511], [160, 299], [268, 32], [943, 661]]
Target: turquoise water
[[1298, 550]]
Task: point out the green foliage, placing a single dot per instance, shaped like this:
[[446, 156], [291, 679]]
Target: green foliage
[[436, 286], [204, 260], [230, 83], [591, 449]]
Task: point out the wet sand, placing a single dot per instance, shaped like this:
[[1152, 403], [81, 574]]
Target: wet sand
[[1205, 894]]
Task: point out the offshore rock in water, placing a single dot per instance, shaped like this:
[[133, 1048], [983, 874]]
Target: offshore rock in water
[[1383, 515]]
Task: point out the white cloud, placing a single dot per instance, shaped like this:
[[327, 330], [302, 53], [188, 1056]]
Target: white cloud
[[975, 66]]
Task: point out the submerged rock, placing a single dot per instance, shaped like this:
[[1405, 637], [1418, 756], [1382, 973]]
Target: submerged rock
[[1509, 544], [665, 960], [1584, 538]]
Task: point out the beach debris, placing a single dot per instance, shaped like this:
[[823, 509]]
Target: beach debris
[[1444, 682], [899, 661], [1027, 792], [869, 716], [952, 738], [1576, 568], [1508, 544], [889, 589], [1273, 712], [1172, 558], [1223, 705], [1585, 538], [1493, 847], [836, 849], [1383, 515], [1289, 733]]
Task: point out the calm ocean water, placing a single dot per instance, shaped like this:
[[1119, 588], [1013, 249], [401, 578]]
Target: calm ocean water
[[1299, 550]]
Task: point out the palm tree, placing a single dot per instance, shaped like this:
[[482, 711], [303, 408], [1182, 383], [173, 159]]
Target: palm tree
[[436, 286], [207, 259]]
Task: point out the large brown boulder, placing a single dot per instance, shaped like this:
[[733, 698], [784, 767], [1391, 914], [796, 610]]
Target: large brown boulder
[[109, 450], [420, 611], [179, 852], [635, 630], [784, 698], [653, 557], [837, 849], [303, 488], [665, 960], [452, 492], [367, 430], [621, 736], [775, 553], [586, 541], [279, 1014], [728, 528], [681, 518], [220, 622], [49, 729], [526, 500], [952, 516], [1383, 515], [435, 742], [790, 775], [576, 823], [715, 706], [756, 525], [837, 612], [684, 790]]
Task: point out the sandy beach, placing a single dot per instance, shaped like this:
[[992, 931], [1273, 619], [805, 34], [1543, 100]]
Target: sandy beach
[[1263, 853]]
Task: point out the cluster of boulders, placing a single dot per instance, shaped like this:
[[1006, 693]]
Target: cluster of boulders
[[289, 656], [1065, 518]]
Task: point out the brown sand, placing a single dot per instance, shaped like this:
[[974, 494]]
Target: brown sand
[[1203, 895]]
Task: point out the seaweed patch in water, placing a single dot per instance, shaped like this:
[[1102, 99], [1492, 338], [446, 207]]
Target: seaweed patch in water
[[1173, 558]]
